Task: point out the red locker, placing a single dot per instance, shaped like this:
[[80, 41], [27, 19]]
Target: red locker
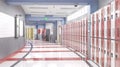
[[97, 39], [79, 32], [86, 37], [117, 54], [102, 36], [81, 36], [78, 29], [117, 22], [108, 36], [117, 34], [93, 37]]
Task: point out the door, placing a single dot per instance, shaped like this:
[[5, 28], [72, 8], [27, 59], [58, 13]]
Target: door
[[93, 50], [108, 36], [117, 34], [97, 39], [87, 37], [102, 36]]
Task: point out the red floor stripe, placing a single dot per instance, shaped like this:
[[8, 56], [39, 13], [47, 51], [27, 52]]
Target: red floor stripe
[[42, 59], [45, 47], [43, 51], [11, 55]]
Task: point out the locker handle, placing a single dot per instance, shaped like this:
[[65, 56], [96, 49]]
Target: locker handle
[[111, 16], [116, 56], [104, 19], [104, 51], [116, 15], [111, 54], [99, 49]]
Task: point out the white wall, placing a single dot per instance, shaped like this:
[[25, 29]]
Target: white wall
[[59, 32], [6, 25], [8, 43], [79, 14], [50, 26], [7, 22]]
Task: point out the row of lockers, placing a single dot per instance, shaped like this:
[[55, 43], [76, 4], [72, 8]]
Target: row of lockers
[[75, 36], [104, 39], [105, 35]]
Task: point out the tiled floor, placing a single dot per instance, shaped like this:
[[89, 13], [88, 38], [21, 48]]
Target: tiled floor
[[45, 55]]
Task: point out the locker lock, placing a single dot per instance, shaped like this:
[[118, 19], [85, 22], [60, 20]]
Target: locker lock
[[104, 19], [111, 54], [104, 51], [116, 15], [99, 49], [111, 16], [98, 20]]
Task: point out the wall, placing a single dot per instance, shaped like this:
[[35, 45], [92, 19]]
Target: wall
[[10, 44], [59, 32], [104, 2], [30, 34], [50, 26], [83, 12]]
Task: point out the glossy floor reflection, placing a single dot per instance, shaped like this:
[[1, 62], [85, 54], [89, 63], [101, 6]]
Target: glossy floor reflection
[[45, 54]]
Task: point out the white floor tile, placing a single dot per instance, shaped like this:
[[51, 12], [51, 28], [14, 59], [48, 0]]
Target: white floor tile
[[44, 49], [47, 55], [52, 55], [19, 55], [7, 63], [52, 64]]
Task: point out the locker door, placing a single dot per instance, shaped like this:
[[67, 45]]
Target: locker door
[[117, 23], [74, 46], [105, 36], [77, 36], [71, 34], [108, 36], [102, 36], [117, 34], [99, 36], [91, 55], [117, 54], [93, 38], [113, 33], [87, 37], [82, 37], [97, 39]]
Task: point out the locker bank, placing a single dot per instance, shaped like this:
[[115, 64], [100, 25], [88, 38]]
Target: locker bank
[[59, 33]]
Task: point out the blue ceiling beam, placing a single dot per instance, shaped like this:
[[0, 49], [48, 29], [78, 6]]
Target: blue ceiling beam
[[92, 3], [30, 18], [40, 20]]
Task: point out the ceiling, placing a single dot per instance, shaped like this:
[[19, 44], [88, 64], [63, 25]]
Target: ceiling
[[51, 10], [94, 4]]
